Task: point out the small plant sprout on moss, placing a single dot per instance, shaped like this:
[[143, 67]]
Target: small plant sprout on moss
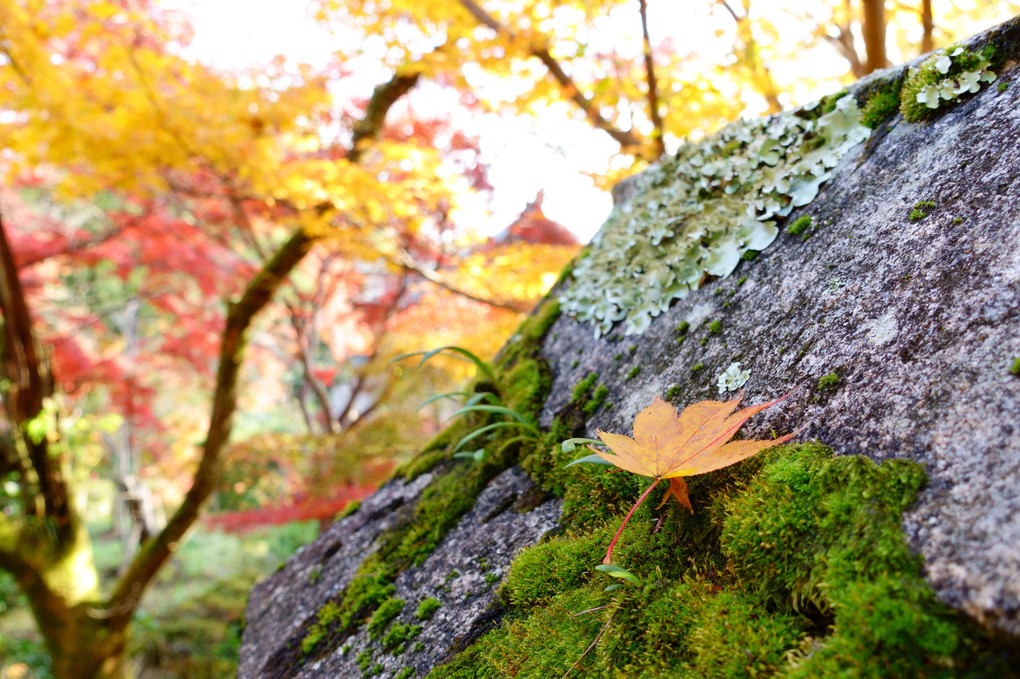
[[732, 378], [671, 446], [478, 402]]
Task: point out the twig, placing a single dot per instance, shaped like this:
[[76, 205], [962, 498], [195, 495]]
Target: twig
[[587, 650], [590, 610]]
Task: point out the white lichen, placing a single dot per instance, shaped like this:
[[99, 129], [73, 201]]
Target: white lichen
[[698, 212], [732, 378]]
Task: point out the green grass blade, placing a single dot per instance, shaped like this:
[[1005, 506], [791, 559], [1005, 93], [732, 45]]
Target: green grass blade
[[587, 459], [484, 430], [439, 397]]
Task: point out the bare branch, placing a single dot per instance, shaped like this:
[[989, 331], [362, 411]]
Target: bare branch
[[407, 263], [750, 57], [628, 141], [653, 93]]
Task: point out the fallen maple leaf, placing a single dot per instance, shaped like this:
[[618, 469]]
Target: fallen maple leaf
[[668, 446]]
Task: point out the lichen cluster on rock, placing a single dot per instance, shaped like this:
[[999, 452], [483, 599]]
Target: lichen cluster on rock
[[699, 211]]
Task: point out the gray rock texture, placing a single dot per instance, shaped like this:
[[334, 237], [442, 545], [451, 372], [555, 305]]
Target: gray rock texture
[[462, 573], [920, 321]]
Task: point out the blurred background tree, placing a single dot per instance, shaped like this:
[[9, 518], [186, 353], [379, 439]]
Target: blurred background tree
[[205, 272]]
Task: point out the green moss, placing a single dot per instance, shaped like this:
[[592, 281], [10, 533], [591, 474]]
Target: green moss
[[598, 397], [830, 381], [364, 660], [697, 367], [405, 673], [378, 668], [920, 210], [633, 372], [750, 255], [800, 226], [382, 616], [544, 570], [685, 326], [957, 220], [581, 388], [399, 634], [673, 392], [352, 507], [427, 608], [715, 327], [1015, 368], [882, 105], [827, 104], [314, 575], [741, 281], [792, 565], [1003, 86]]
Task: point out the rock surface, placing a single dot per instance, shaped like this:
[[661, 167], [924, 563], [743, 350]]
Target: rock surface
[[461, 573], [918, 319]]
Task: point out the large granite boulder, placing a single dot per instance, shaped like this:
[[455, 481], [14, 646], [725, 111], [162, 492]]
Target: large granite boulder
[[897, 314]]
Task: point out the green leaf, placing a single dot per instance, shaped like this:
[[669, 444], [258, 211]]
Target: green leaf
[[570, 445], [475, 455], [449, 394], [587, 459], [484, 430], [459, 352], [498, 410], [617, 572]]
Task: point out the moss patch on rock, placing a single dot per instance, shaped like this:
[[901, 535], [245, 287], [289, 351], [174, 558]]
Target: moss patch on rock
[[793, 565]]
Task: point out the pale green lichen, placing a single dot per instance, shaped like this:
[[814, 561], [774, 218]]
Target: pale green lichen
[[942, 79], [704, 209]]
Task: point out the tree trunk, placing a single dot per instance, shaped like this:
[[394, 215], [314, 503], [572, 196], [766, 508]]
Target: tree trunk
[[928, 24], [873, 28]]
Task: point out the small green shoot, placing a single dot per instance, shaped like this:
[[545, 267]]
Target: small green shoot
[[620, 573]]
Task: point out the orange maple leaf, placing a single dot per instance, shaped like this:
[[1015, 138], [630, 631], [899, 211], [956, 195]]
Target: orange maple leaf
[[668, 446]]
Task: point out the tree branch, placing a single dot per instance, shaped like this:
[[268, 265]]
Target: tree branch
[[629, 143], [761, 76], [239, 318], [383, 98], [653, 91], [407, 263], [240, 314], [320, 390]]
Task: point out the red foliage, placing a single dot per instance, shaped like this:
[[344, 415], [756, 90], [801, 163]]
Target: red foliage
[[320, 509]]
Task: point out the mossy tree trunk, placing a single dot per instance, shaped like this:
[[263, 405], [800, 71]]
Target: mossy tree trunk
[[43, 541]]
